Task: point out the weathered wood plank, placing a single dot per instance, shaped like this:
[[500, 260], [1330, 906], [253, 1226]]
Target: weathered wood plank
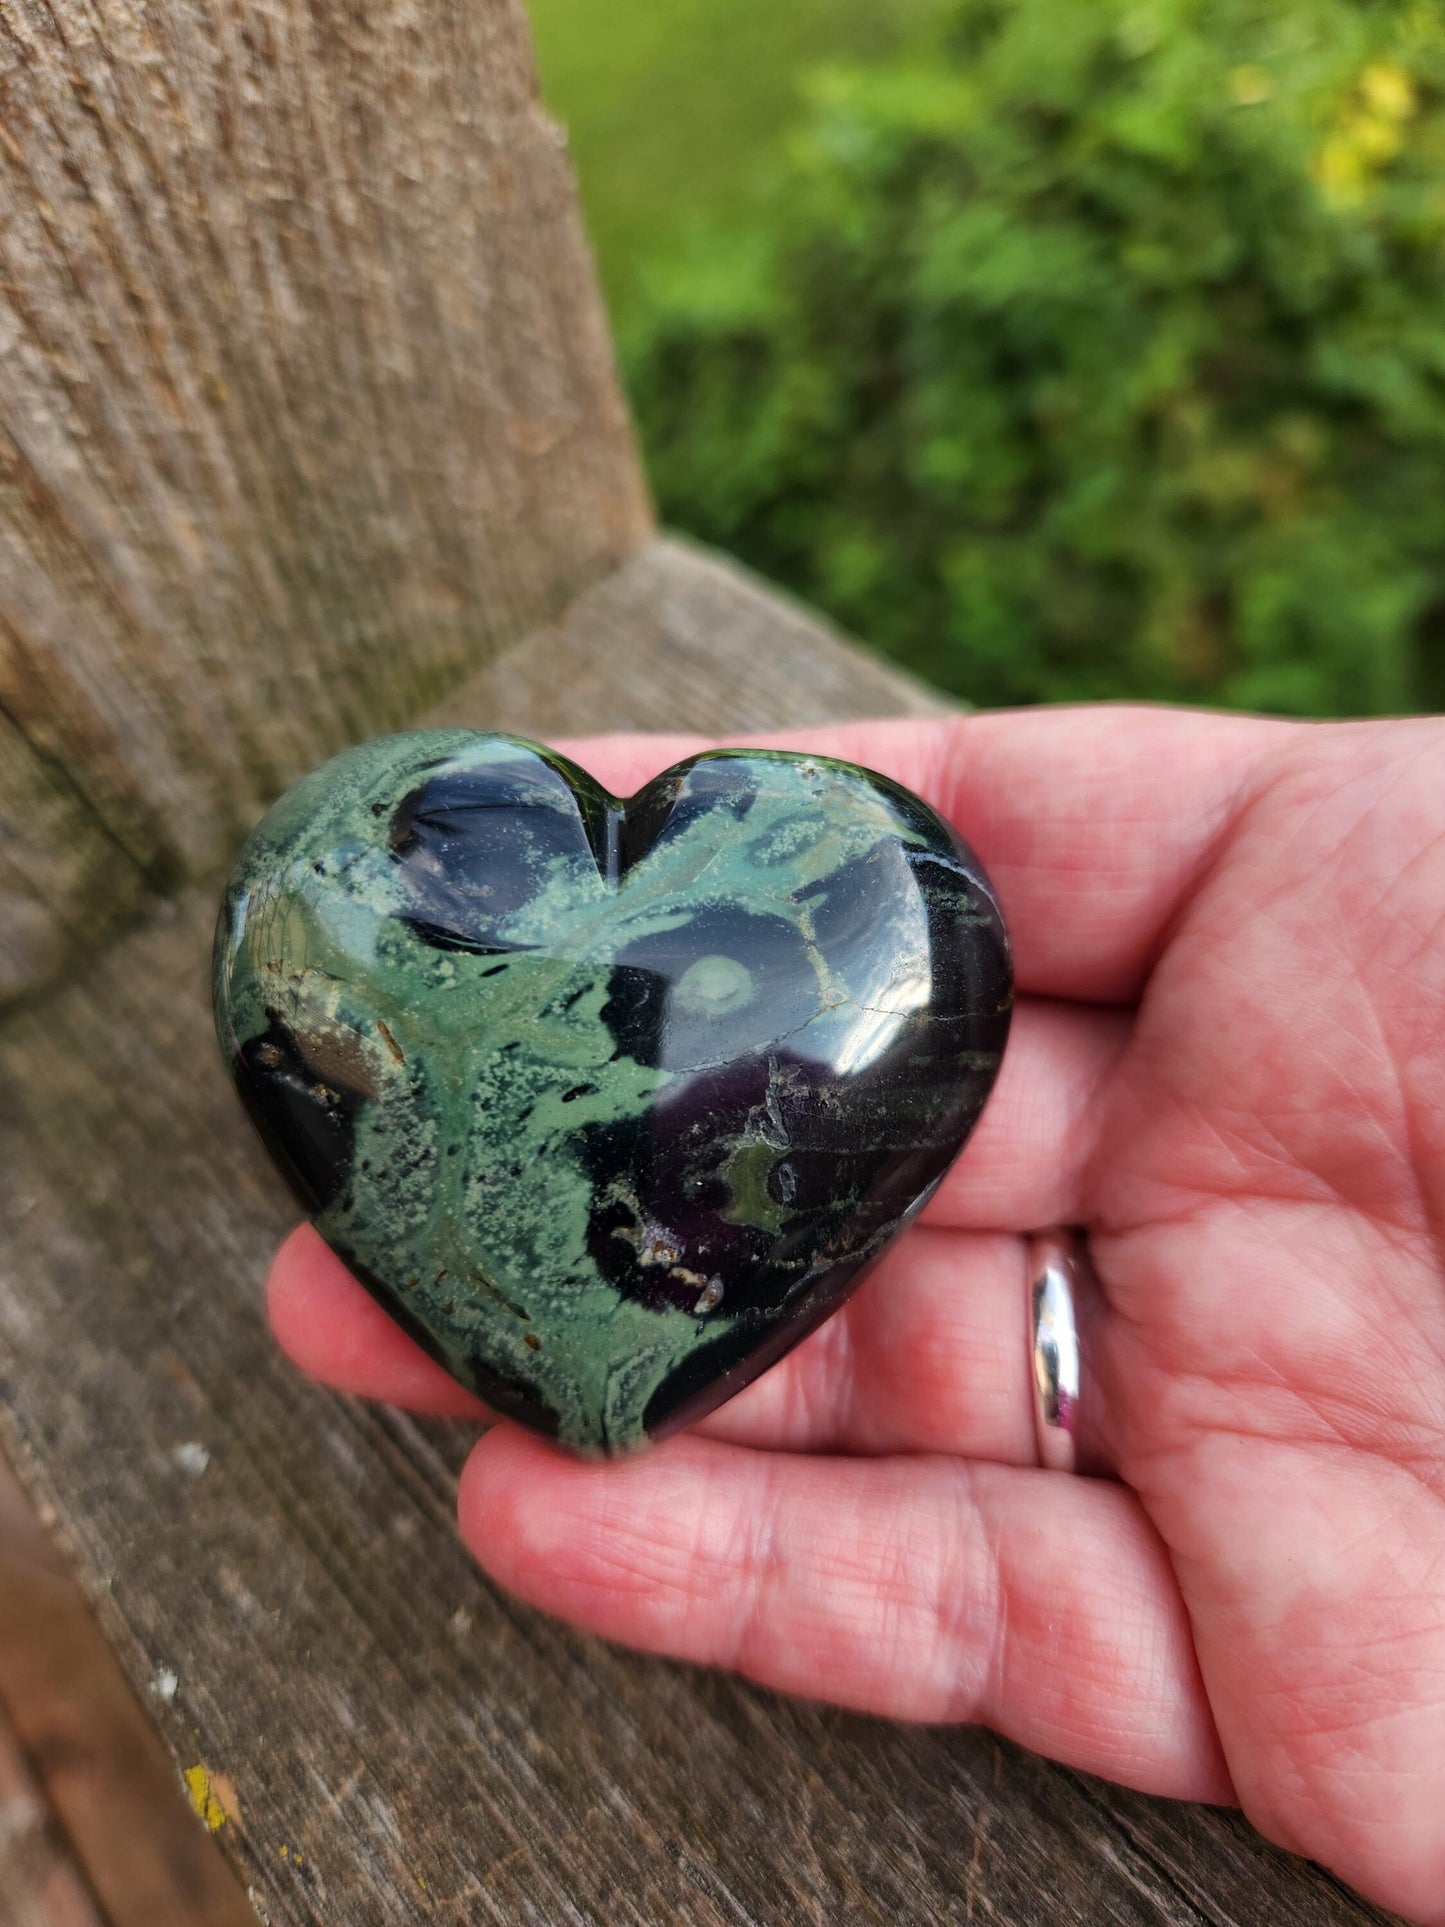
[[64, 879], [405, 1743], [684, 638], [306, 396]]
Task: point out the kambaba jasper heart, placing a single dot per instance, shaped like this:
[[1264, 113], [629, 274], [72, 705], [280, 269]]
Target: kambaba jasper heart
[[609, 1104]]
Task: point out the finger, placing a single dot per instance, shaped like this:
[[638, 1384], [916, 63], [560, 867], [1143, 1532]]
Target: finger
[[1094, 823], [331, 1326], [929, 1355], [1025, 1166], [1028, 1163], [921, 1588]]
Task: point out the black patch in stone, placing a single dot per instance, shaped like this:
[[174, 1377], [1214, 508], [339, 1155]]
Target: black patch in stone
[[306, 1116]]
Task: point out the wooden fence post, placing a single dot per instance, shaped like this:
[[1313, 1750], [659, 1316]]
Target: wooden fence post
[[307, 405]]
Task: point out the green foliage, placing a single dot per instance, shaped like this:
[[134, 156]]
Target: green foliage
[[671, 105], [1101, 353]]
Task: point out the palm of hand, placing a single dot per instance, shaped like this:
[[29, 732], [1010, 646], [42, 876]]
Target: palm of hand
[[1270, 1195], [1228, 1063]]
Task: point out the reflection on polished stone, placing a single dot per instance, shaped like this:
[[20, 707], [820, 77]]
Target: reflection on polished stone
[[608, 1103]]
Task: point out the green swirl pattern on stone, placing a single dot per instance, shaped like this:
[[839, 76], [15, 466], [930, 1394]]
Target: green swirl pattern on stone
[[608, 1103]]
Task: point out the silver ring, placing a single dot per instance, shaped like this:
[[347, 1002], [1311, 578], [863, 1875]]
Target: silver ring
[[1054, 1348]]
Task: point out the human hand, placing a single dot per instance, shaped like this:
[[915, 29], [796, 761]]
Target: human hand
[[1228, 1065]]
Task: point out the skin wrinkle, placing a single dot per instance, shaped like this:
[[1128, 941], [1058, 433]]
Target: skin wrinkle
[[906, 1346], [1432, 1211], [761, 1573], [1317, 777], [985, 1697], [812, 1373], [1327, 1189], [1060, 1060], [1399, 883], [1227, 811], [879, 1626], [1331, 1434], [1208, 1118], [1242, 1422], [842, 1381], [1430, 942], [1214, 1376], [1416, 1113], [1231, 813], [1380, 1037]]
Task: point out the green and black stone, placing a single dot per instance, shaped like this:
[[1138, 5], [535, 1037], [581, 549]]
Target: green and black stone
[[609, 1104]]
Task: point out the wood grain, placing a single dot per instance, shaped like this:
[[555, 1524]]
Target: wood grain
[[307, 404], [684, 638], [65, 881], [402, 1742]]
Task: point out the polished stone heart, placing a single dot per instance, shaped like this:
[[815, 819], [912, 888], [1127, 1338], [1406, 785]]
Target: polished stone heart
[[609, 1104]]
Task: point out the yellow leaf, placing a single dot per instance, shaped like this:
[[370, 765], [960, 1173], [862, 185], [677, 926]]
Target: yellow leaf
[[1389, 90], [1339, 169], [1377, 140]]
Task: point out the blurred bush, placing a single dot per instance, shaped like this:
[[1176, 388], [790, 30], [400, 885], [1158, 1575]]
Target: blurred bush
[[1100, 352]]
